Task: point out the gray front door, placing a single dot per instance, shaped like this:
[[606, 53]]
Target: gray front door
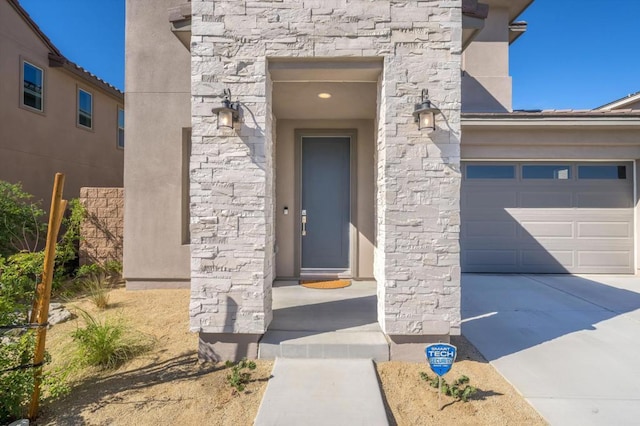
[[325, 204]]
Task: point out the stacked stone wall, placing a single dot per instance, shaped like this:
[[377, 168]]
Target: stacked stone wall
[[102, 230], [232, 170]]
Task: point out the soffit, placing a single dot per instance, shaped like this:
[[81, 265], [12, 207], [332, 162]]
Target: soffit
[[349, 100], [352, 83], [516, 7]]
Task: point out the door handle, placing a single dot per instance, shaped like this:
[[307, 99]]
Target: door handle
[[304, 223]]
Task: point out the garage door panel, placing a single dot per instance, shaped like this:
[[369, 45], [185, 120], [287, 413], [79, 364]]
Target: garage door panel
[[491, 229], [547, 229], [604, 230], [545, 200], [489, 257], [547, 244], [605, 259], [551, 259], [556, 225], [603, 200], [492, 200]]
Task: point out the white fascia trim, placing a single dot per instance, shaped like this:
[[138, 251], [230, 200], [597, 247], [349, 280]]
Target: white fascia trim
[[552, 122], [620, 103]]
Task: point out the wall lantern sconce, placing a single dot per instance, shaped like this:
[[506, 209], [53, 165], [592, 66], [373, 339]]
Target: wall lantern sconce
[[424, 113], [229, 112]]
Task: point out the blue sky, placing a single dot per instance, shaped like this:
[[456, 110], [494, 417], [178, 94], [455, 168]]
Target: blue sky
[[88, 32], [576, 53]]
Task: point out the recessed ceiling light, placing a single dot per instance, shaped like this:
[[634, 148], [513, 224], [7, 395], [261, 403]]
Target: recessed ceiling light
[[324, 95]]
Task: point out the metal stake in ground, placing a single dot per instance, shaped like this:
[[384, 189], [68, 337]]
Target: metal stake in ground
[[43, 291], [440, 357]]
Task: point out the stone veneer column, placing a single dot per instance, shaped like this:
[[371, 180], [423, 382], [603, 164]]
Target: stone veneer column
[[232, 175], [418, 265]]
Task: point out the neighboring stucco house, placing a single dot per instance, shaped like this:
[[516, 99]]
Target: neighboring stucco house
[[325, 171], [54, 115]]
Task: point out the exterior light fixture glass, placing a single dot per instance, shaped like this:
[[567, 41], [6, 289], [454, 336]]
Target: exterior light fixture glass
[[324, 95], [229, 112], [424, 113]]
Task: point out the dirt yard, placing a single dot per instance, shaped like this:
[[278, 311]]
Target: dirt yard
[[169, 386]]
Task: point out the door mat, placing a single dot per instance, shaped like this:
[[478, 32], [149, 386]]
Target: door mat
[[325, 284]]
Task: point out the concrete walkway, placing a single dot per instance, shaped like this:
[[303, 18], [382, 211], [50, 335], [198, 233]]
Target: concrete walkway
[[322, 392], [569, 344]]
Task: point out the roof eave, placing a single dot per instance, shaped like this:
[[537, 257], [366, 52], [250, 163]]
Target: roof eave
[[180, 20], [57, 61], [630, 99]]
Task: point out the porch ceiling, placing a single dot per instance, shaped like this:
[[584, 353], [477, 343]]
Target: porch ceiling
[[351, 82], [349, 100]]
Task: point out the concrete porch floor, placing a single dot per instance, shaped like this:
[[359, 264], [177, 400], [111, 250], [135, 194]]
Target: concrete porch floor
[[312, 323]]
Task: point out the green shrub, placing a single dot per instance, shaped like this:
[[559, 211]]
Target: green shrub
[[21, 224], [19, 275], [88, 270], [15, 386], [108, 344], [21, 228], [67, 246]]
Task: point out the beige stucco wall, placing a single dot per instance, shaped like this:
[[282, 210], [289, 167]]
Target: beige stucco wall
[[486, 84], [34, 146], [364, 223], [550, 142], [158, 100]]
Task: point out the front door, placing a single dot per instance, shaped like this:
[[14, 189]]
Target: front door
[[325, 209]]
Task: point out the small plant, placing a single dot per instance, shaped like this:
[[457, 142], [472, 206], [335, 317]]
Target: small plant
[[460, 389], [108, 344], [97, 286], [89, 269], [240, 374], [111, 269]]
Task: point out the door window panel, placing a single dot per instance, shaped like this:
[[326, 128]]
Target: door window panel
[[546, 171], [602, 172], [487, 171]]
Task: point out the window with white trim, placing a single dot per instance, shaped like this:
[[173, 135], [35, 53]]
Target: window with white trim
[[85, 109], [120, 128], [32, 86]]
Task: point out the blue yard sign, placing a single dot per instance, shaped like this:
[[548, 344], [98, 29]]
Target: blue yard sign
[[441, 357]]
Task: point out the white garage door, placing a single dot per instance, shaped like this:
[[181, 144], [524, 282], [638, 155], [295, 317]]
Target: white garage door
[[547, 217]]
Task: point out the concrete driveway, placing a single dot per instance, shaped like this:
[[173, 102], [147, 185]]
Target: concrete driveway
[[570, 344]]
